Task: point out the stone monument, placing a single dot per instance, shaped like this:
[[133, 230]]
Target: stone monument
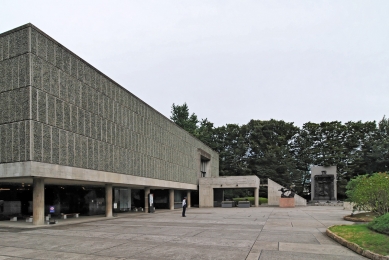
[[323, 183]]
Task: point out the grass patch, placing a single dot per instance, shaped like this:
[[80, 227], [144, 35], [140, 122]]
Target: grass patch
[[364, 237], [251, 199]]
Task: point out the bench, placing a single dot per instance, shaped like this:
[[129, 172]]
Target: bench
[[50, 222], [244, 204], [65, 216], [30, 218], [228, 204]]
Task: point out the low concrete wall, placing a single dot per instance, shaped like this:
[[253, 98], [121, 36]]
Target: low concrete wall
[[348, 205], [274, 195]]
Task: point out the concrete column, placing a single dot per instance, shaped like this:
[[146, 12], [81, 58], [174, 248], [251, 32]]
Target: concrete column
[[256, 197], [171, 199], [146, 208], [38, 201], [108, 200], [188, 198]]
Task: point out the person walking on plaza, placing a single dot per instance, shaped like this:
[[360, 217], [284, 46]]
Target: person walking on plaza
[[184, 205]]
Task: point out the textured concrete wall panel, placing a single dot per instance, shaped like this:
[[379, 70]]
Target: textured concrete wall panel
[[51, 110], [46, 143], [14, 73], [22, 141], [14, 44], [46, 77], [77, 151], [14, 105], [55, 146], [70, 149], [36, 68], [42, 106], [63, 147], [37, 137], [15, 142]]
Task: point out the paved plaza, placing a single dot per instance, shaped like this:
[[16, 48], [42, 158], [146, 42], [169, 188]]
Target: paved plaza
[[206, 233]]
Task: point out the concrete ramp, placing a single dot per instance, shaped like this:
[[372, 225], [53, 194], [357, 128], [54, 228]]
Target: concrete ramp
[[274, 195]]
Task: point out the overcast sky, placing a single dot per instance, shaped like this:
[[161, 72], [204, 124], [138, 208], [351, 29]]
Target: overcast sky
[[230, 61]]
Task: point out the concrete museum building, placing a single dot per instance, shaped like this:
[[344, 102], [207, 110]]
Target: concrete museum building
[[73, 140]]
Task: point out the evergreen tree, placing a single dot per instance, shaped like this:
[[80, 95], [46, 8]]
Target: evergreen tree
[[180, 116], [285, 153]]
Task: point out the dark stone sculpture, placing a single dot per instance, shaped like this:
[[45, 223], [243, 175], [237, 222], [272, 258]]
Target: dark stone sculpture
[[289, 195], [323, 183], [324, 187]]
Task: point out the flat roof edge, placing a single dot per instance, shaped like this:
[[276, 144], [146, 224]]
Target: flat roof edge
[[17, 29]]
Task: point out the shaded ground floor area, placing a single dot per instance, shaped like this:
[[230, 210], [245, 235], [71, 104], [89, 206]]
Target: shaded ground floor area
[[206, 233], [40, 191], [16, 199]]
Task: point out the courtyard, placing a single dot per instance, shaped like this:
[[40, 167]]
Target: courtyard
[[206, 233]]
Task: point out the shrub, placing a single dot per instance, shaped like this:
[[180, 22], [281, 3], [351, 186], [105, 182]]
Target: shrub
[[380, 224], [370, 193]]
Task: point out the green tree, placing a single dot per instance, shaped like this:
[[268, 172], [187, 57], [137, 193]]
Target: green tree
[[268, 151], [228, 141], [205, 133], [180, 116], [370, 192], [379, 154], [285, 153]]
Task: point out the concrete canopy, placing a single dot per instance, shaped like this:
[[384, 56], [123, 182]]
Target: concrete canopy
[[57, 174]]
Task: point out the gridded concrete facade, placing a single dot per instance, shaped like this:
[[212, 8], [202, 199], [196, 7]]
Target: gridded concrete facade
[[58, 109]]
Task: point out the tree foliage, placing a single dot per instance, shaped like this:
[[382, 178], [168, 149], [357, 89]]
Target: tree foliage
[[284, 152], [180, 116], [370, 192]]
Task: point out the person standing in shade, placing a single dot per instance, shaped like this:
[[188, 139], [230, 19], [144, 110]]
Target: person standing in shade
[[184, 205]]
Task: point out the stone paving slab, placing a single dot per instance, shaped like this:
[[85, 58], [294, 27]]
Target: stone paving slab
[[217, 234], [324, 239], [129, 250], [290, 229], [319, 249], [15, 251], [47, 254], [213, 242], [211, 233], [173, 252], [279, 255], [264, 245], [287, 237], [307, 223]]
